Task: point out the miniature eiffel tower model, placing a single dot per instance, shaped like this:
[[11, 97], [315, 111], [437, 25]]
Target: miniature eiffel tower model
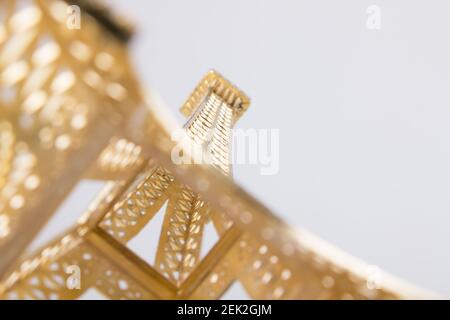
[[71, 108], [98, 245]]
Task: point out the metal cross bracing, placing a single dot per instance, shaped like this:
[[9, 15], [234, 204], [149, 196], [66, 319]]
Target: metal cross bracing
[[71, 108]]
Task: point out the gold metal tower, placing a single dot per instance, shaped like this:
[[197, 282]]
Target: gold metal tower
[[71, 108]]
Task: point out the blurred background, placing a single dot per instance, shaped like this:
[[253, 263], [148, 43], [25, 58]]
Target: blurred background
[[362, 107]]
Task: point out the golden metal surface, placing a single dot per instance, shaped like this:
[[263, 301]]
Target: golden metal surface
[[64, 93], [74, 111]]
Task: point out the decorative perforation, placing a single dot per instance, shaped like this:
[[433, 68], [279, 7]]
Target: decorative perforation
[[139, 205], [181, 236], [57, 88], [214, 82]]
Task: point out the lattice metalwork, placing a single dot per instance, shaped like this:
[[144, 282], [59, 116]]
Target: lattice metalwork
[[70, 109], [63, 94]]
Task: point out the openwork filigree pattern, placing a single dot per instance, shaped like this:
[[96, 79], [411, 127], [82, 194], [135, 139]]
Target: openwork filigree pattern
[[46, 275], [62, 95], [69, 108], [139, 205], [181, 235]]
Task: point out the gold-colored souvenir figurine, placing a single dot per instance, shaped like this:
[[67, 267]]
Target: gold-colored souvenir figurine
[[71, 108]]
